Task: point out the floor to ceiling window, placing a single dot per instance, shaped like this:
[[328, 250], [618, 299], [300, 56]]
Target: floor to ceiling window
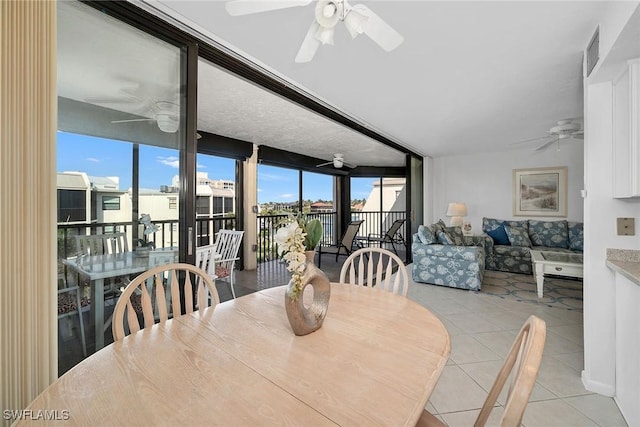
[[121, 121], [379, 202], [216, 190]]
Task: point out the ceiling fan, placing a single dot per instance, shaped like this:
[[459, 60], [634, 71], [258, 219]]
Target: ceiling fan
[[165, 114], [358, 19], [337, 162], [565, 129]]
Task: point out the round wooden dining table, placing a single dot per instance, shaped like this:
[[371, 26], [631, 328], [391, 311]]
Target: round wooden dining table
[[375, 361]]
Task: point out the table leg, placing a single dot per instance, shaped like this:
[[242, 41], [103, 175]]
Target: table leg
[[97, 311], [539, 278]]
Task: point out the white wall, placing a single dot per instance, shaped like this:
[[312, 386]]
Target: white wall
[[485, 181], [601, 211]]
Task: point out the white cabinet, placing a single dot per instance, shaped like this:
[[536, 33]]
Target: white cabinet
[[626, 132], [628, 349]]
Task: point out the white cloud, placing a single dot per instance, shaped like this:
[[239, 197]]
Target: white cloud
[[259, 190], [92, 159], [200, 166], [286, 196], [171, 161]]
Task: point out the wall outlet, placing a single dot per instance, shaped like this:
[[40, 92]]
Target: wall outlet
[[626, 226], [254, 248]]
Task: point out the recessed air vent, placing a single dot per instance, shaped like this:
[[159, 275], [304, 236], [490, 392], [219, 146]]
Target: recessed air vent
[[593, 51]]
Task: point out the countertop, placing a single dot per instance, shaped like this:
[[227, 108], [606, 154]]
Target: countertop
[[625, 262]]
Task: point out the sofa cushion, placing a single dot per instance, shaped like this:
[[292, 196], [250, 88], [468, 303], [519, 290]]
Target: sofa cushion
[[489, 224], [499, 235], [552, 234], [427, 235], [518, 236], [576, 236], [512, 251], [451, 236]]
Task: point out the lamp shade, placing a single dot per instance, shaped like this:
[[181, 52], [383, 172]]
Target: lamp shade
[[456, 211]]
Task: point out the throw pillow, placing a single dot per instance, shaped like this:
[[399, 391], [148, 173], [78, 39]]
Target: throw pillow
[[499, 236], [444, 238], [427, 235], [576, 236], [518, 236], [456, 235], [552, 234]]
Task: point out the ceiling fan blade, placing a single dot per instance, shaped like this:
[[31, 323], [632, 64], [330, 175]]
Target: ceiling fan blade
[[349, 165], [133, 120], [126, 100], [530, 140], [309, 45], [546, 144], [324, 164], [246, 7], [378, 30]]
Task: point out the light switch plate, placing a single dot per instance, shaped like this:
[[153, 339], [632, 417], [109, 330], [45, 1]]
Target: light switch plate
[[626, 227]]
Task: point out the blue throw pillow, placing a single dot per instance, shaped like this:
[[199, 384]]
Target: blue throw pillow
[[499, 236]]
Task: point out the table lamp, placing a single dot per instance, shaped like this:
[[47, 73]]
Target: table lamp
[[456, 211]]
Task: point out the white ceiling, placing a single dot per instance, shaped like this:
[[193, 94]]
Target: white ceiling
[[469, 77]]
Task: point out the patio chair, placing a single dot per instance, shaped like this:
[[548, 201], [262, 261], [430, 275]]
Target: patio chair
[[205, 259], [104, 244], [376, 267], [146, 295], [524, 357], [70, 303], [345, 245], [393, 236], [226, 248]]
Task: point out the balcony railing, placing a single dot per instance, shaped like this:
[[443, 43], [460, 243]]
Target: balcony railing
[[266, 249], [374, 223], [166, 236]]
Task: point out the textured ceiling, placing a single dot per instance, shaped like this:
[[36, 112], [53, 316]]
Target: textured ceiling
[[469, 77]]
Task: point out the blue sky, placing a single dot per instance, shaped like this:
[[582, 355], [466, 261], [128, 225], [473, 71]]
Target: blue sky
[[105, 157]]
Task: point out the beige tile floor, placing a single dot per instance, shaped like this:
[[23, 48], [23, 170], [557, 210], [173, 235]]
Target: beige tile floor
[[482, 328]]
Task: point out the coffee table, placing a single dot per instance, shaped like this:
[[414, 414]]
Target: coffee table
[[557, 263]]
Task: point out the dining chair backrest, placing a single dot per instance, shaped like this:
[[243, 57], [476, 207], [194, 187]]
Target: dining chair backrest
[[102, 244], [205, 259], [226, 247], [521, 365], [146, 296], [376, 267]]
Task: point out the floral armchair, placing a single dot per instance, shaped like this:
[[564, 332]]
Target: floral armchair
[[444, 256]]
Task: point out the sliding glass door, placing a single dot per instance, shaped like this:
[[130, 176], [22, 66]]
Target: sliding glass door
[[123, 148]]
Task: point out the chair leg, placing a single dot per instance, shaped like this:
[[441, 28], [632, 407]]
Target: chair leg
[[79, 306], [233, 292]]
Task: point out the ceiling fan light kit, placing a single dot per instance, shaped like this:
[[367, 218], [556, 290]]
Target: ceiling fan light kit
[[337, 162], [358, 19]]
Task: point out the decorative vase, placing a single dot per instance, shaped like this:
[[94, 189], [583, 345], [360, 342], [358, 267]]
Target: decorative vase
[[142, 251], [305, 320]]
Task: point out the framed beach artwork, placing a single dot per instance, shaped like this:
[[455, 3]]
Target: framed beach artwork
[[540, 192]]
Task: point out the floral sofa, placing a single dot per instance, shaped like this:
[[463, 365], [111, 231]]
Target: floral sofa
[[444, 256], [509, 243]]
